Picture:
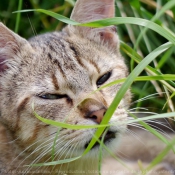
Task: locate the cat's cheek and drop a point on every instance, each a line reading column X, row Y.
column 119, row 119
column 28, row 129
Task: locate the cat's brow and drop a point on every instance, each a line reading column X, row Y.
column 79, row 60
column 94, row 64
column 55, row 61
column 22, row 105
column 55, row 82
column 76, row 54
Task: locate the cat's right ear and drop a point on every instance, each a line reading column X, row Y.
column 10, row 44
column 90, row 10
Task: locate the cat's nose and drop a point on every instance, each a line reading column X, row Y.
column 97, row 116
column 92, row 109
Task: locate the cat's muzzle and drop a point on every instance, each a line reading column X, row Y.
column 109, row 136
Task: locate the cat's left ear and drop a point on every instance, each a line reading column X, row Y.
column 10, row 44
column 90, row 10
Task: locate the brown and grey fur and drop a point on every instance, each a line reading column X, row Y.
column 68, row 63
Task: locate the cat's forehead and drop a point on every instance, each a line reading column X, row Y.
column 69, row 61
column 72, row 54
column 63, row 45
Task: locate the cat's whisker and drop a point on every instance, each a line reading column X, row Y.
column 137, row 126
column 35, row 150
column 42, row 145
column 156, row 122
column 142, row 112
column 63, row 149
column 47, row 150
column 162, row 124
column 56, row 147
column 136, row 108
column 40, row 156
column 74, row 150
column 45, row 167
column 47, row 160
column 74, row 147
column 148, row 97
column 158, row 129
column 33, row 145
column 10, row 142
column 69, row 152
column 120, row 154
column 135, row 135
column 70, row 148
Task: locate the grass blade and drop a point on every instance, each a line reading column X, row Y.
column 111, row 21
column 18, row 16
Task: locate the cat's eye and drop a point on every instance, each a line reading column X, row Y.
column 103, row 78
column 52, row 96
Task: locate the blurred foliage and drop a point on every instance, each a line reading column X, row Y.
column 33, row 23
column 147, row 9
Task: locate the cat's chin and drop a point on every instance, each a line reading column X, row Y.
column 109, row 137
column 111, row 141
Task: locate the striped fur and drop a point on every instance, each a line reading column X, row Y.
column 67, row 63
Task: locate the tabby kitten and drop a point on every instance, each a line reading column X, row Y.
column 55, row 72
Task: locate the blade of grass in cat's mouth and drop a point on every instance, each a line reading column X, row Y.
column 108, row 137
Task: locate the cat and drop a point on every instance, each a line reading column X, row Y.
column 56, row 73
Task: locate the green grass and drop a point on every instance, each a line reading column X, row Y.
column 148, row 44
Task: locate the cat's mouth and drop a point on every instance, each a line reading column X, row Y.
column 107, row 138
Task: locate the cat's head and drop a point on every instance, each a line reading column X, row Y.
column 57, row 73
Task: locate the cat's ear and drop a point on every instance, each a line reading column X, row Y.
column 10, row 44
column 90, row 10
